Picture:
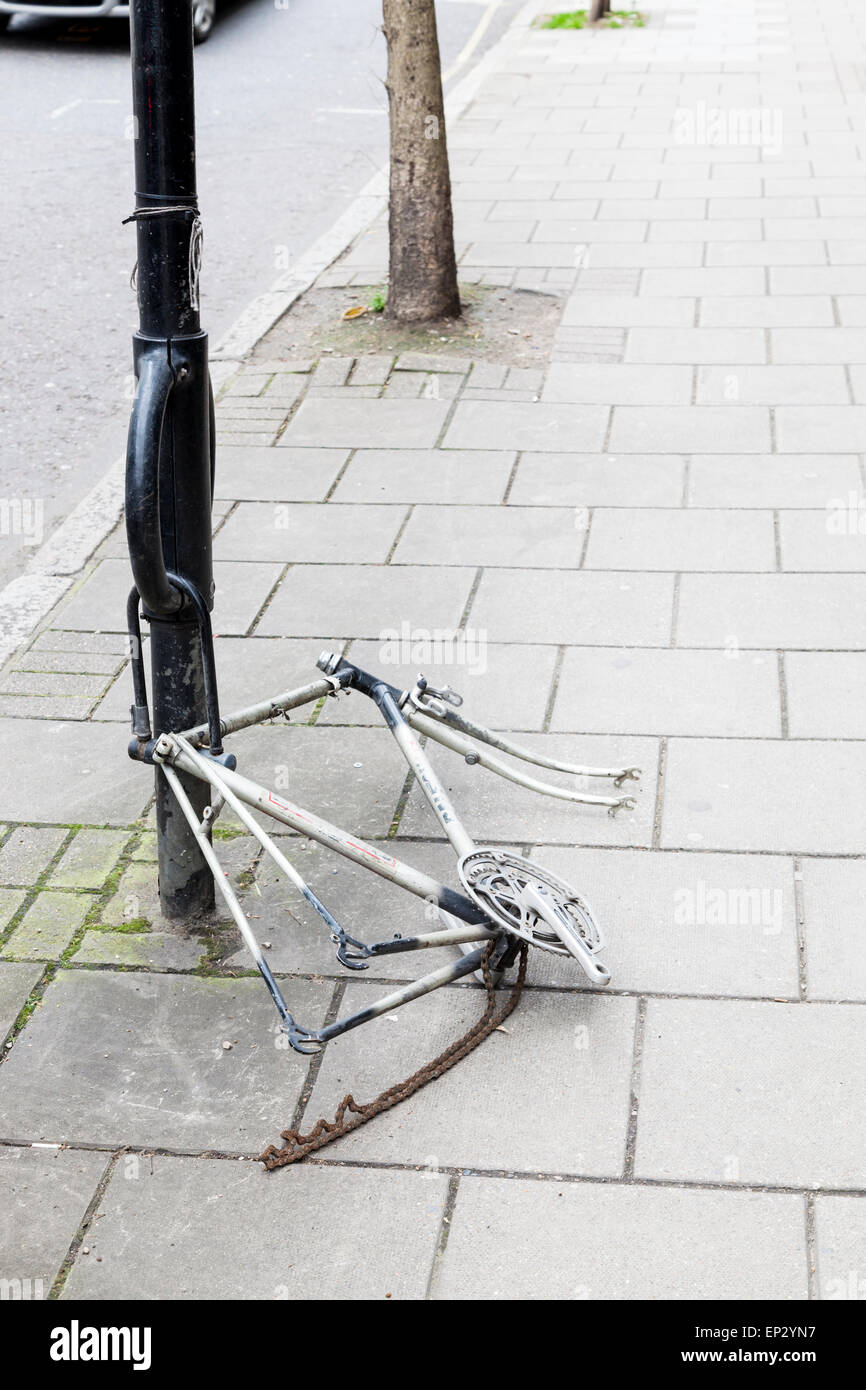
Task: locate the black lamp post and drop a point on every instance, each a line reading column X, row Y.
column 169, row 477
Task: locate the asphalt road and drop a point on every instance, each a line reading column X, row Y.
column 291, row 116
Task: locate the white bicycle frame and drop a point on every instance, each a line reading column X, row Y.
column 427, row 711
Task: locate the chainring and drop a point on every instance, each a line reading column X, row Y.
column 495, row 879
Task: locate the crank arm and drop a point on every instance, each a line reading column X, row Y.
column 476, row 756
column 540, row 903
column 447, row 715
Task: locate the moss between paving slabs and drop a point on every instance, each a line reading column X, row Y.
column 145, row 849
column 90, row 901
column 228, row 832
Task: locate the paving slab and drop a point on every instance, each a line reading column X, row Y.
column 41, row 659
column 612, row 1241
column 494, row 809
column 809, row 252
column 298, row 532
column 48, row 926
column 828, row 279
column 681, row 923
column 280, row 475
column 27, row 853
column 752, row 1092
column 857, row 375
column 249, row 670
column 345, row 422
column 645, row 691
column 701, row 281
column 829, row 539
column 89, row 859
column 767, row 311
column 10, row 901
column 771, row 480
column 628, row 310
column 329, row 1233
column 549, row 254
column 555, row 1048
column 720, row 230
column 145, row 847
column 17, row 979
column 504, row 686
column 826, row 693
column 312, row 599
column 748, row 795
column 68, row 772
column 833, row 909
column 241, row 589
column 826, row 611
column 516, row 425
column 148, row 950
column 592, row 383
column 772, row 385
column 694, row 346
column 660, row 254
column 616, row 608
column 135, row 899
column 598, row 480
column 38, row 706
column 351, row 776
column 444, row 476
column 368, row 907
column 89, row 644
column 624, row 538
column 45, row 684
column 45, row 1194
column 701, row 429
column 134, row 1058
column 840, row 1238
column 535, row 537
column 98, row 602
column 432, row 362
column 818, row 345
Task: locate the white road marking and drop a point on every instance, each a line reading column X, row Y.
column 81, row 101
column 472, row 43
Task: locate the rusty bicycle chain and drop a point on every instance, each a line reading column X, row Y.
column 297, row 1146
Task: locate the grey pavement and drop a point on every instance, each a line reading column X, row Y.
column 649, row 549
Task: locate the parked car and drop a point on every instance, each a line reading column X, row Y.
column 203, row 12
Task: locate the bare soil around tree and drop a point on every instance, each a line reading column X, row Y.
column 513, row 327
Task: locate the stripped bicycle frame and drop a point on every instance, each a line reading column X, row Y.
column 507, row 900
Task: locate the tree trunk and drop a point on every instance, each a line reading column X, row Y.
column 423, row 268
column 598, row 10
